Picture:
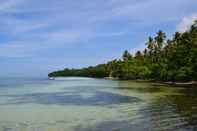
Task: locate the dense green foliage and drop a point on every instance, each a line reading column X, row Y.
column 167, row 60
column 98, row 71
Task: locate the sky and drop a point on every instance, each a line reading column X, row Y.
column 40, row 36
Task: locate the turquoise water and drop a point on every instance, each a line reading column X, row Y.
column 85, row 104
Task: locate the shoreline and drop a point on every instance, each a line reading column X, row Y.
column 176, row 83
column 189, row 83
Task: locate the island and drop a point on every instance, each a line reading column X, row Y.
column 169, row 60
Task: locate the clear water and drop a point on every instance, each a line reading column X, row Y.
column 84, row 104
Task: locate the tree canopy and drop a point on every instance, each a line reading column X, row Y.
column 163, row 59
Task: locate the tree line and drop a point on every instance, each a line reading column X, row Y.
column 163, row 59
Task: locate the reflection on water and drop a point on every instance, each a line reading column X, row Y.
column 100, row 98
column 95, row 105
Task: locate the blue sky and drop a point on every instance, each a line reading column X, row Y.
column 39, row 36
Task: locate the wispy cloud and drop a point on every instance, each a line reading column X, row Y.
column 186, row 22
column 33, row 27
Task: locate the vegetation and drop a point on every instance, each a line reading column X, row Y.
column 163, row 59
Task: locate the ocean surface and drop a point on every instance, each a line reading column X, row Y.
column 86, row 104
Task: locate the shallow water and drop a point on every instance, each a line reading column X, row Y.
column 84, row 104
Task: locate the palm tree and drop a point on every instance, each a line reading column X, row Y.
column 160, row 38
column 177, row 36
column 138, row 55
column 145, row 52
column 150, row 45
column 126, row 55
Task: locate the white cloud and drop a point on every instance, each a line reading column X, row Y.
column 37, row 29
column 53, row 23
column 186, row 22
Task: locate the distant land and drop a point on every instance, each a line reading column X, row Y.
column 163, row 59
